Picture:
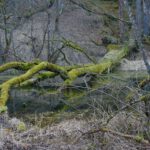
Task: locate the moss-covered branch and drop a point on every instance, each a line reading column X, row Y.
column 68, row 73
column 38, row 78
column 18, row 65
column 109, row 61
column 70, row 44
column 5, row 87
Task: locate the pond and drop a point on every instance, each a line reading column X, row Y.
column 104, row 93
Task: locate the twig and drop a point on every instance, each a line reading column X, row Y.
column 100, row 13
column 127, row 136
column 77, row 47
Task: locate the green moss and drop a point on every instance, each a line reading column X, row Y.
column 111, row 47
column 145, row 98
column 139, row 138
column 39, row 77
column 78, row 48
column 21, row 126
column 73, row 93
column 5, row 87
column 3, row 109
column 18, row 65
column 111, row 59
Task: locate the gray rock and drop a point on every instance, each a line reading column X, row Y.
column 109, row 40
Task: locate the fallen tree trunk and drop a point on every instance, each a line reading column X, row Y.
column 68, row 73
column 109, row 61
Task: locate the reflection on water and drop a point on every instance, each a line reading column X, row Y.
column 24, row 101
column 33, row 100
column 105, row 93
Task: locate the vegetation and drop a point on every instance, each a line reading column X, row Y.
column 68, row 56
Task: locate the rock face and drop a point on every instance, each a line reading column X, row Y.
column 74, row 24
column 136, row 65
column 109, row 40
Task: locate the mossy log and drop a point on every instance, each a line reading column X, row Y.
column 68, row 73
column 5, row 87
column 38, row 78
column 18, row 65
column 109, row 61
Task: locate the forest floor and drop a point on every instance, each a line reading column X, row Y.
column 71, row 134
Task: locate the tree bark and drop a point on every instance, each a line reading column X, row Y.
column 121, row 24
column 139, row 16
column 146, row 9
